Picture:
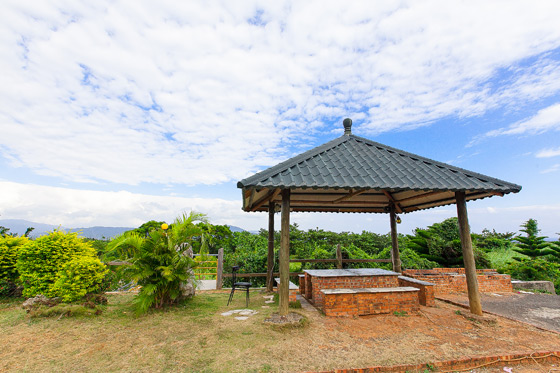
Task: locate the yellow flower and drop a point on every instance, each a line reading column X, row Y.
column 164, row 226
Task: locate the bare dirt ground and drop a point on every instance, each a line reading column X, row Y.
column 197, row 338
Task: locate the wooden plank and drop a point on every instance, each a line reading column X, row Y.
column 343, row 260
column 267, row 197
column 348, row 203
column 338, row 257
column 419, row 196
column 392, row 200
column 263, row 274
column 349, row 195
column 284, row 260
column 468, row 255
column 220, row 269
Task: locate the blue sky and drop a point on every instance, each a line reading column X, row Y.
column 115, row 113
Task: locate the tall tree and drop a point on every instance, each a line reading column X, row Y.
column 553, row 249
column 530, row 244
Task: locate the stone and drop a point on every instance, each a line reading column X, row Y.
column 241, row 318
column 39, row 300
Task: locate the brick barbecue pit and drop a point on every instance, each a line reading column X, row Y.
column 364, row 291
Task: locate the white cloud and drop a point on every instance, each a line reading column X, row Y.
column 548, row 153
column 202, row 93
column 547, row 119
column 553, row 168
column 84, row 208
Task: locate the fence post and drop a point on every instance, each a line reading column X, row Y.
column 338, row 257
column 220, row 269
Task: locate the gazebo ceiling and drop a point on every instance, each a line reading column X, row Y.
column 354, row 174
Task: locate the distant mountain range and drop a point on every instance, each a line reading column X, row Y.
column 19, row 226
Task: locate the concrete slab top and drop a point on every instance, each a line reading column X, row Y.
column 350, row 272
column 400, row 289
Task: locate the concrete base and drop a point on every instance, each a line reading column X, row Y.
column 547, row 286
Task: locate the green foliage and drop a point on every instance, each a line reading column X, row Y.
column 78, row 277
column 147, row 227
column 9, row 247
column 530, row 244
column 553, row 251
column 159, row 264
column 441, row 243
column 250, row 252
column 40, row 261
column 493, row 241
column 410, row 259
column 536, row 269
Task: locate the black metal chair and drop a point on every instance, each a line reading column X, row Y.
column 236, row 284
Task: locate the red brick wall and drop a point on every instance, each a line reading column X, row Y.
column 348, row 305
column 426, row 296
column 347, row 282
column 489, row 281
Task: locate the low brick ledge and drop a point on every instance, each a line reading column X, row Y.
column 292, row 285
column 400, row 289
column 419, row 282
column 461, row 364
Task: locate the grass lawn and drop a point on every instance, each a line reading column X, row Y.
column 197, row 338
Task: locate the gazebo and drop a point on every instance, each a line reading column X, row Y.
column 355, row 175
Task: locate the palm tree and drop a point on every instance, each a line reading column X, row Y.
column 158, row 262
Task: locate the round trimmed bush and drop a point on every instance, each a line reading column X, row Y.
column 40, row 261
column 78, row 277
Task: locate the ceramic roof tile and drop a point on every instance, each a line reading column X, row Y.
column 354, row 162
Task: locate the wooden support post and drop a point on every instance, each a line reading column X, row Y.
column 284, row 255
column 220, row 269
column 270, row 259
column 395, row 255
column 338, row 257
column 468, row 255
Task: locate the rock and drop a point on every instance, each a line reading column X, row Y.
column 39, row 300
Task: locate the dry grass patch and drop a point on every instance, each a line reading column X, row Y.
column 195, row 337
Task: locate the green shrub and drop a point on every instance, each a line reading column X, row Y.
column 534, row 270
column 78, row 277
column 9, row 247
column 40, row 261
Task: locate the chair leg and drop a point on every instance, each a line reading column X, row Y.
column 247, row 299
column 231, row 295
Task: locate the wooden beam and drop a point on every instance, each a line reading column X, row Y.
column 351, row 203
column 393, row 201
column 349, row 195
column 395, row 256
column 270, row 258
column 284, row 257
column 264, row 199
column 451, row 200
column 468, row 255
column 412, row 198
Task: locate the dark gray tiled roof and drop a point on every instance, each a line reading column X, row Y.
column 353, row 162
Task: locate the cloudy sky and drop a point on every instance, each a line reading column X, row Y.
column 115, row 113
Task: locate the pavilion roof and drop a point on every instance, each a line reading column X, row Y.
column 355, row 174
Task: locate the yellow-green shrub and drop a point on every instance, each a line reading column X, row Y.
column 9, row 247
column 40, row 261
column 78, row 277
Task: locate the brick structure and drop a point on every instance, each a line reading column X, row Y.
column 448, row 280
column 350, row 282
column 426, row 295
column 302, row 285
column 369, row 301
column 293, row 290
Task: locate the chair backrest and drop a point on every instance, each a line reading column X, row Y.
column 234, row 270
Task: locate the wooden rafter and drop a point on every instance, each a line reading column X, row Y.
column 350, row 203
column 397, row 205
column 267, row 197
column 415, row 197
column 351, row 194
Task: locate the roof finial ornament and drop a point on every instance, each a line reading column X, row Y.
column 347, row 126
